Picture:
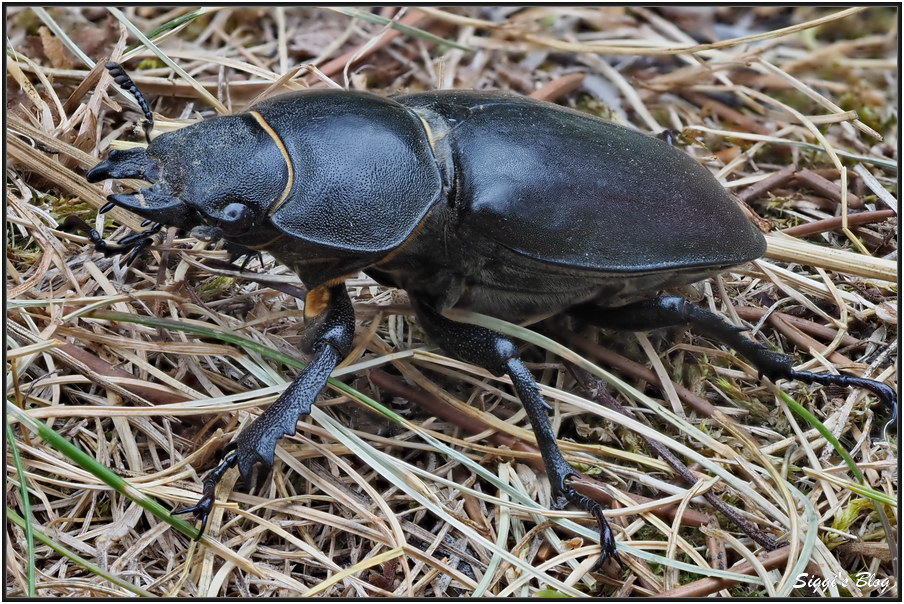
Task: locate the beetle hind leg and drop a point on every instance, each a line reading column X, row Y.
column 498, row 354
column 557, row 468
column 668, row 311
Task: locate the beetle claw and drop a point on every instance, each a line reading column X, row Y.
column 202, row 509
column 608, row 548
column 885, row 393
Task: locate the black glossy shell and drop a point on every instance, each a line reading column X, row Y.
column 570, row 189
column 364, row 172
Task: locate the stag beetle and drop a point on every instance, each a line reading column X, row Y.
column 487, row 201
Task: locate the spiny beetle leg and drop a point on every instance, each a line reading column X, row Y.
column 668, row 311
column 202, row 509
column 257, row 442
column 557, row 468
column 329, row 333
column 498, row 354
column 331, row 319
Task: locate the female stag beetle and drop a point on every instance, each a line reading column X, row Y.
column 485, row 201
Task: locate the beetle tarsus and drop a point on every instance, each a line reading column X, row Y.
column 557, row 468
column 204, row 507
column 883, row 391
column 668, row 311
column 136, row 243
column 608, row 547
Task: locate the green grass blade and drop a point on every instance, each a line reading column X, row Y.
column 169, row 27
column 86, row 564
column 406, row 29
column 811, row 419
column 26, row 512
column 212, row 100
column 89, row 464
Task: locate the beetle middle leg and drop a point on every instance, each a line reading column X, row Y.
column 668, row 311
column 330, row 330
column 498, row 354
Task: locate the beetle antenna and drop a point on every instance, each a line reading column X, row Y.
column 125, row 82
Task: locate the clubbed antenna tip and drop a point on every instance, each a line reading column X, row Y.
column 125, row 82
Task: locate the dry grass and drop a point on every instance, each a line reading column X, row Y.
column 795, row 111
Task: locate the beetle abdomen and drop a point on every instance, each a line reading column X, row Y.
column 572, row 190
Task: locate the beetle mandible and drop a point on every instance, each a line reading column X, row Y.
column 486, row 201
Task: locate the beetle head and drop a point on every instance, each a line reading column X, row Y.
column 223, row 174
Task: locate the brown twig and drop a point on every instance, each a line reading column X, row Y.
column 555, row 89
column 805, row 342
column 724, row 111
column 773, row 181
column 753, row 313
column 710, row 585
column 825, row 187
column 831, row 224
column 331, row 68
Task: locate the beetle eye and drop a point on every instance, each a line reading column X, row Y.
column 236, row 219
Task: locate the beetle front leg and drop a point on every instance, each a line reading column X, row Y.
column 498, row 354
column 134, row 243
column 330, row 321
column 667, row 311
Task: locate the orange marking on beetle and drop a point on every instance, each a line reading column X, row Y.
column 285, row 152
column 429, row 131
column 316, row 301
column 263, row 246
column 339, row 280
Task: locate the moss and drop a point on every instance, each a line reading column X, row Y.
column 594, row 106
column 215, row 287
